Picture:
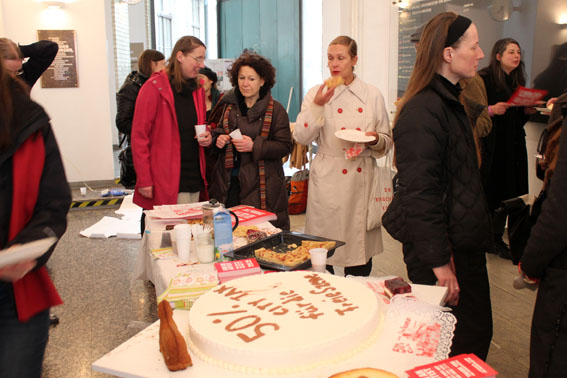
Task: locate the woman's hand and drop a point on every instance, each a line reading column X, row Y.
column 322, row 98
column 499, row 108
column 15, row 272
column 222, row 140
column 205, row 139
column 446, row 277
column 246, row 144
column 530, row 110
column 375, row 135
column 147, row 192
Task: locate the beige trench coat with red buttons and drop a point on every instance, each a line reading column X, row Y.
column 339, row 189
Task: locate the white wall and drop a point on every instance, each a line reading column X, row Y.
column 81, row 117
column 368, row 22
column 137, row 23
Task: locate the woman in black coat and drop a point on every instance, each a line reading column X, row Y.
column 545, row 258
column 149, row 62
column 40, row 55
column 439, row 212
column 504, row 156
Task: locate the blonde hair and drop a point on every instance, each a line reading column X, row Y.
column 348, row 42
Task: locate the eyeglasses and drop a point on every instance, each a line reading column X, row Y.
column 198, row 60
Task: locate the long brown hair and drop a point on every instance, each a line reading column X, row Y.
column 7, row 86
column 145, row 61
column 186, row 45
column 9, row 50
column 429, row 56
column 518, row 75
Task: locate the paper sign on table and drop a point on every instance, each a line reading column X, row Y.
column 526, row 96
column 461, row 366
column 229, row 270
column 248, row 215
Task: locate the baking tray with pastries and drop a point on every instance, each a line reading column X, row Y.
column 286, row 251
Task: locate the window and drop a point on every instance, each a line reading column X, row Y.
column 164, row 19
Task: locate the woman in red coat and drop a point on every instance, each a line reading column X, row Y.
column 168, row 158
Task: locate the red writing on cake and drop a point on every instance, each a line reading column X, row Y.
column 324, row 288
column 244, row 322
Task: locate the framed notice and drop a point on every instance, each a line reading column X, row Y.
column 62, row 73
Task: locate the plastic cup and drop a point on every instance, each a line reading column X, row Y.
column 83, row 191
column 318, row 259
column 183, row 241
column 236, row 134
column 200, row 129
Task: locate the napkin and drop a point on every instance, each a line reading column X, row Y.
column 354, row 151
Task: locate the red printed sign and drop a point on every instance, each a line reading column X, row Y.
column 461, row 366
column 526, row 96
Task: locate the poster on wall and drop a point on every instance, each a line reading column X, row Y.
column 220, row 67
column 62, row 73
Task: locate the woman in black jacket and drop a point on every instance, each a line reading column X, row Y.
column 504, row 156
column 149, row 62
column 438, row 211
column 545, row 259
column 34, row 201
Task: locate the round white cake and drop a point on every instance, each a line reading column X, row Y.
column 280, row 323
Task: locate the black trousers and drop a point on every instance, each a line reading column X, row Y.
column 473, row 331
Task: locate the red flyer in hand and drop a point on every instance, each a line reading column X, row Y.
column 526, row 96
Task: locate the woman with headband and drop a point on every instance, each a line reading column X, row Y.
column 439, row 212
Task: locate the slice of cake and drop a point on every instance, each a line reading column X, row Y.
column 284, row 322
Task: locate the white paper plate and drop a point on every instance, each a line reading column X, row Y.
column 543, row 110
column 26, row 251
column 354, row 136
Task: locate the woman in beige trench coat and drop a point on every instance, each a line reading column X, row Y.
column 339, row 188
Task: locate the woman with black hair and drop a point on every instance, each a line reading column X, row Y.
column 504, row 155
column 249, row 169
column 208, row 81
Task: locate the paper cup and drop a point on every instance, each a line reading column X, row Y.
column 183, row 240
column 318, row 259
column 83, row 191
column 236, row 134
column 200, row 129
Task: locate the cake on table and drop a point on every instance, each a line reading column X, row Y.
column 283, row 323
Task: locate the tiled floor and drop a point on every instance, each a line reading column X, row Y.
column 104, row 307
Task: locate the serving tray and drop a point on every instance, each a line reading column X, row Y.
column 279, row 242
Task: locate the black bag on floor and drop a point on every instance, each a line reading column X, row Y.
column 521, row 219
column 127, row 172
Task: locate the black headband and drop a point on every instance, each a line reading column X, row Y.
column 457, row 29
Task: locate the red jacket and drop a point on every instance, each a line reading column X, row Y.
column 34, row 292
column 156, row 146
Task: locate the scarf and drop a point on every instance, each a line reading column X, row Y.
column 229, row 153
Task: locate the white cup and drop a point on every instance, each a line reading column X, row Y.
column 236, row 134
column 200, row 129
column 83, row 191
column 318, row 259
column 183, row 240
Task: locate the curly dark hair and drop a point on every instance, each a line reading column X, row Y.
column 258, row 63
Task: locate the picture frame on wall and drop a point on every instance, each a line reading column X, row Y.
column 62, row 73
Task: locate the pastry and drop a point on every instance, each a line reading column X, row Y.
column 396, row 286
column 333, row 82
column 171, row 344
column 364, row 373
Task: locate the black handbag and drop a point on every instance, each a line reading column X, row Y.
column 127, row 171
column 521, row 219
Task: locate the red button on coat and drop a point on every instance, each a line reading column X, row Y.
column 305, row 124
column 340, row 110
column 344, row 171
column 360, row 110
column 342, row 128
column 358, row 128
column 359, row 169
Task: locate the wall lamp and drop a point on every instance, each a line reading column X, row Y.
column 563, row 21
column 53, row 4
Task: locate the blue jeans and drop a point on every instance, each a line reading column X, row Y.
column 22, row 345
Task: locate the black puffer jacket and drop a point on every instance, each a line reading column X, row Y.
column 126, row 102
column 545, row 257
column 439, row 205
